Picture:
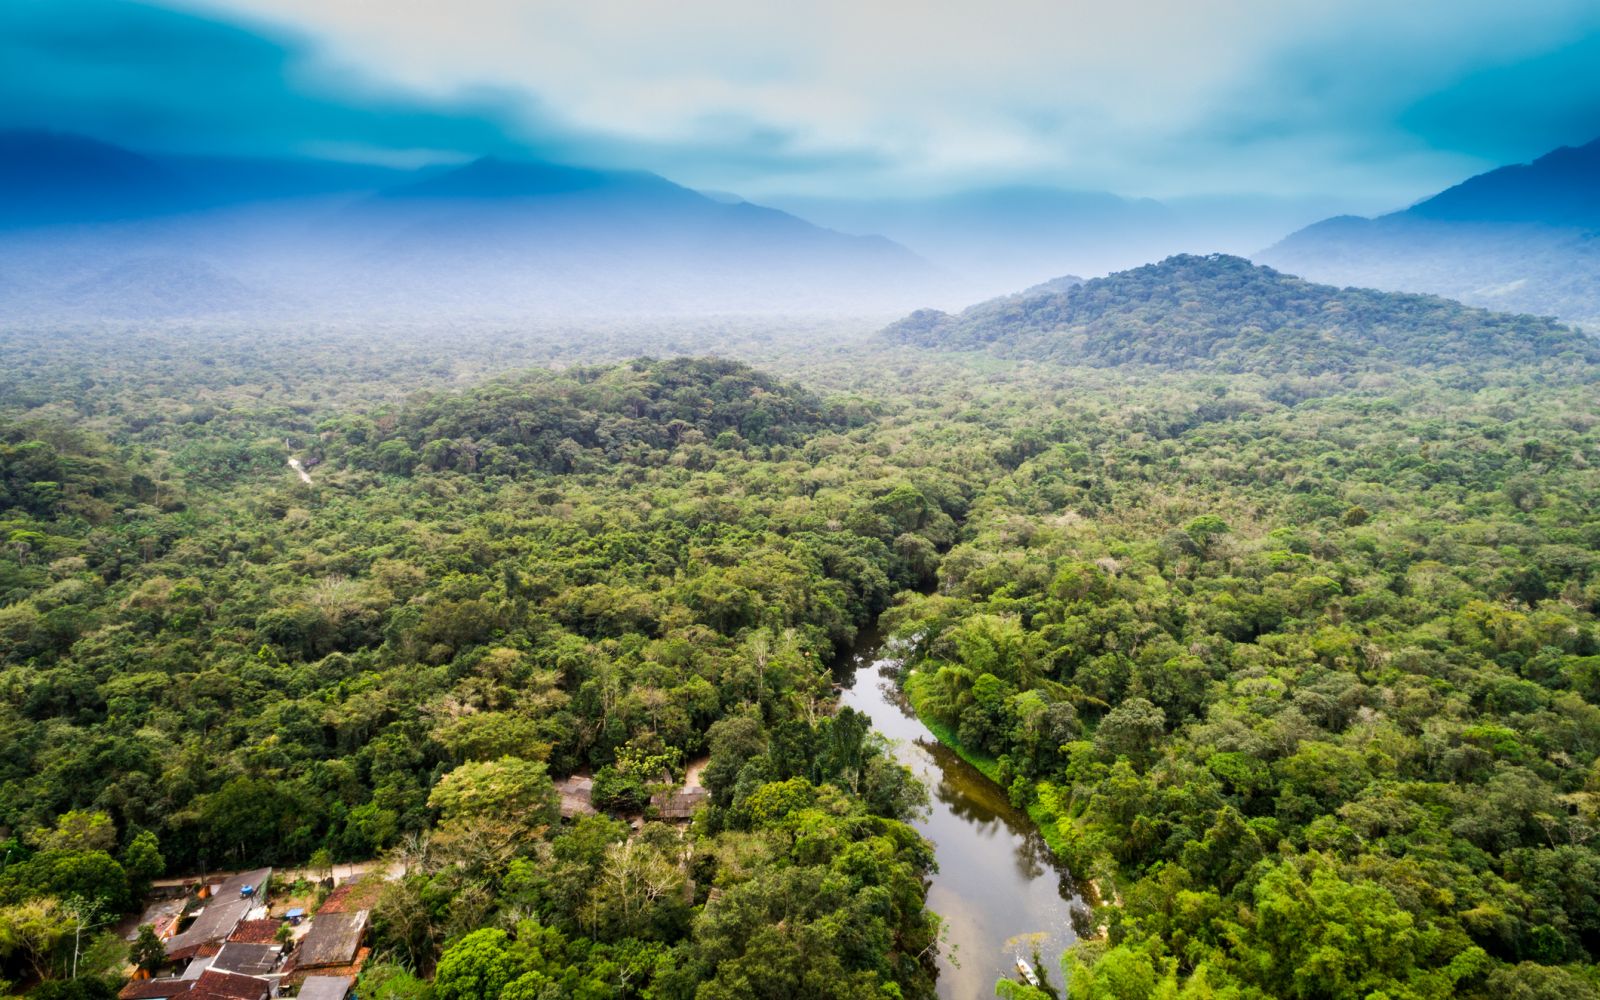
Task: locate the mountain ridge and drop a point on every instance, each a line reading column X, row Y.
column 496, row 237
column 1521, row 237
column 1560, row 188
column 1223, row 313
column 49, row 177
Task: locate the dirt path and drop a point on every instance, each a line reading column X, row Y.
column 305, row 477
column 691, row 776
column 341, row 873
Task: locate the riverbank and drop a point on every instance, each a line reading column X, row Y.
column 915, row 689
column 998, row 888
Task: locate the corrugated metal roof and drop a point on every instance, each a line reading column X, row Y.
column 221, row 914
column 326, row 987
column 247, row 959
column 333, row 939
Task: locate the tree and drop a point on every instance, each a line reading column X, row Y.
column 478, row 967
column 489, row 811
column 1323, row 937
column 1205, row 530
column 1531, row 981
column 948, row 693
column 734, row 741
column 32, row 930
column 321, row 863
column 82, row 988
column 143, row 862
column 82, row 916
column 402, row 921
column 1121, row 973
column 635, row 878
column 999, row 645
column 1131, row 729
column 92, row 876
column 248, row 818
column 80, row 830
column 147, row 952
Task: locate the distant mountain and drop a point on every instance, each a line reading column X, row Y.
column 495, row 238
column 1524, row 237
column 529, row 236
column 1558, row 189
column 51, row 177
column 993, row 239
column 224, row 180
column 160, row 288
column 494, row 177
column 1221, row 313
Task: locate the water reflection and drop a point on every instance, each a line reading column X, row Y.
column 997, row 889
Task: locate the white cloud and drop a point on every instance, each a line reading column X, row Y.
column 1144, row 96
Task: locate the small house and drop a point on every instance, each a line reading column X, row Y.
column 208, row 985
column 225, row 906
column 680, row 807
column 577, row 796
column 326, row 987
column 213, row 985
column 256, row 931
column 333, row 941
column 247, row 959
column 163, row 915
column 155, row 989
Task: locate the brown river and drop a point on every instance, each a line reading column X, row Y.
column 998, row 890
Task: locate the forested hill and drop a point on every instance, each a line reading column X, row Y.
column 1225, row 314
column 586, row 419
column 206, row 662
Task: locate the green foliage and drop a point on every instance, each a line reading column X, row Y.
column 585, row 419
column 147, row 952
column 1294, row 656
column 79, row 830
column 81, row 988
column 1301, row 753
column 387, row 981
column 92, row 876
column 30, row 933
column 1225, row 314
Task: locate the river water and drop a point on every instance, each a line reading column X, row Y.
column 998, row 890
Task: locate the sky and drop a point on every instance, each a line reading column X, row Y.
column 1370, row 102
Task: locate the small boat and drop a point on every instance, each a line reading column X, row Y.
column 1026, row 971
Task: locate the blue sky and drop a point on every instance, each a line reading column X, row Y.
column 1370, row 103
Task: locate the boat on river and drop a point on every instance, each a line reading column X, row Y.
column 1026, row 972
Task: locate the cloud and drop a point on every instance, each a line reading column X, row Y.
column 161, row 79
column 1368, row 99
column 1533, row 105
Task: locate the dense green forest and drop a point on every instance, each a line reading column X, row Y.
column 1225, row 314
column 615, row 568
column 1286, row 637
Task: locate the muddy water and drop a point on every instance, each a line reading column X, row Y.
column 997, row 889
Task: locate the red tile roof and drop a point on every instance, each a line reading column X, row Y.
column 211, row 985
column 214, row 985
column 357, row 894
column 256, row 932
